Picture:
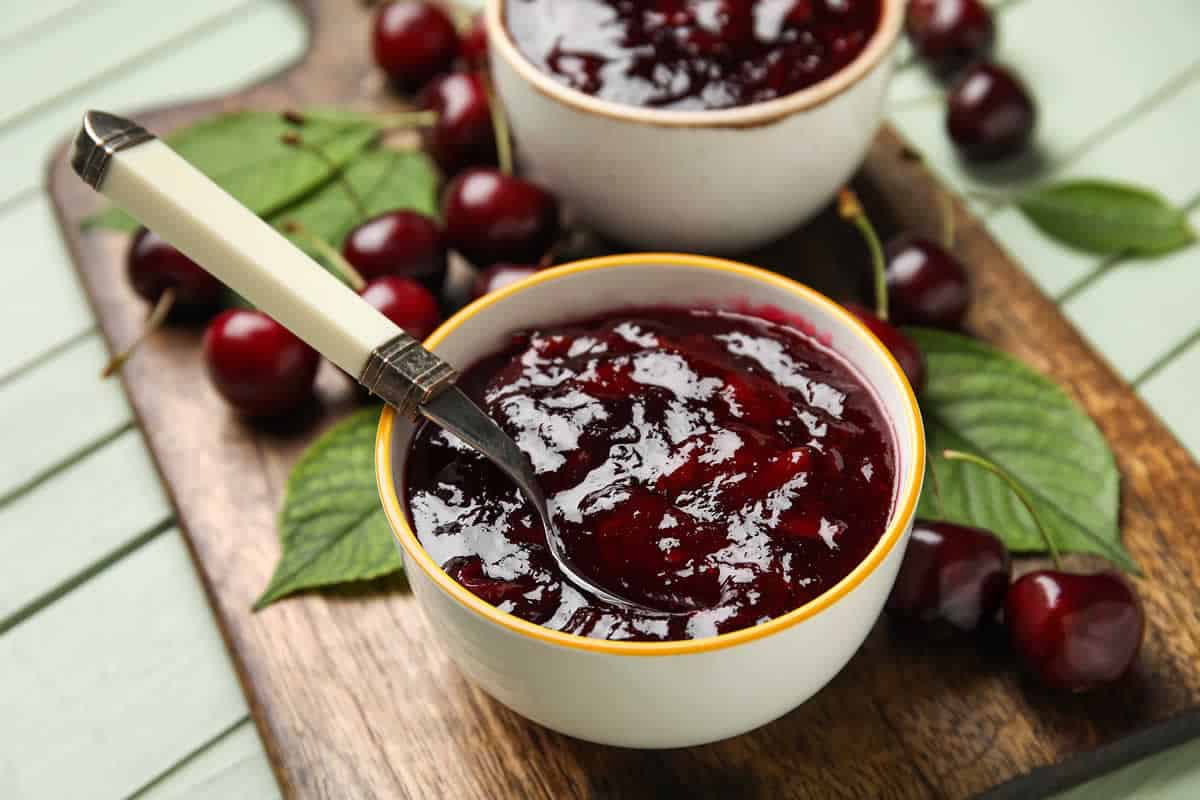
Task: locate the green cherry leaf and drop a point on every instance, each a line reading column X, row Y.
column 982, row 401
column 244, row 153
column 1107, row 218
column 332, row 525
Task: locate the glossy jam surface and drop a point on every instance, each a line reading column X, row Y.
column 691, row 54
column 713, row 465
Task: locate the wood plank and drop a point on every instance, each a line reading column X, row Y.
column 1156, row 150
column 230, row 55
column 1136, row 48
column 20, row 19
column 77, row 520
column 1172, row 394
column 81, row 49
column 55, row 410
column 1155, row 300
column 36, row 266
column 235, row 767
column 115, row 682
column 904, row 718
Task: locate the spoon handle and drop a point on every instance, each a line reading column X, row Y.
column 141, row 174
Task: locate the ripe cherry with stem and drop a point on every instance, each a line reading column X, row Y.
column 413, row 41
column 403, row 300
column 164, row 276
column 926, row 284
column 492, row 216
column 464, row 133
column 905, row 351
column 953, row 577
column 1073, row 631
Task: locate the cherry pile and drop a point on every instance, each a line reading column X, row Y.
column 990, row 114
column 1072, row 631
column 397, row 260
column 259, row 367
column 916, row 281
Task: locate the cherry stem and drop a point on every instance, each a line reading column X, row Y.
column 394, row 120
column 500, row 126
column 851, row 210
column 292, row 139
column 1017, row 489
column 154, row 321
column 948, row 228
column 349, row 275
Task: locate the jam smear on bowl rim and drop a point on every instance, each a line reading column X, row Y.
column 716, row 466
column 691, row 54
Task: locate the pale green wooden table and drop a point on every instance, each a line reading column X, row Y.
column 113, row 678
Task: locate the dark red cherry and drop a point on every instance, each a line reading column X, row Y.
column 412, row 42
column 473, row 47
column 406, row 303
column 990, row 114
column 404, row 243
column 950, row 34
column 498, row 276
column 926, row 285
column 155, row 266
column 953, row 576
column 463, row 135
column 256, row 364
column 1074, row 632
column 902, row 348
column 491, row 217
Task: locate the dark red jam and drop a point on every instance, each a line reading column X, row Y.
column 691, row 54
column 706, row 463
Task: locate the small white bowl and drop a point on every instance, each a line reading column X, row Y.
column 658, row 694
column 717, row 181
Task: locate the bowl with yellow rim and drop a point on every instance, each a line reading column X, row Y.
column 658, row 694
column 722, row 180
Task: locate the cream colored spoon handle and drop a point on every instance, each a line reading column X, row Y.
column 147, row 178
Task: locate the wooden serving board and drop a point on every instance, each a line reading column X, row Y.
column 354, row 699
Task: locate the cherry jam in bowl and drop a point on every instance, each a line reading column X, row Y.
column 703, row 125
column 721, row 444
column 691, row 54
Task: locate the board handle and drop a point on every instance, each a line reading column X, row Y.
column 141, row 174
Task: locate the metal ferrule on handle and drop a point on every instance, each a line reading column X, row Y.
column 129, row 165
column 406, row 374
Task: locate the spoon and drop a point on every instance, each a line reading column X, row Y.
column 133, row 168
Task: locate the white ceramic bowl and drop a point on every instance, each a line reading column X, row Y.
column 708, row 181
column 651, row 694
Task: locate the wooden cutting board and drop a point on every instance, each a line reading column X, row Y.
column 354, row 699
